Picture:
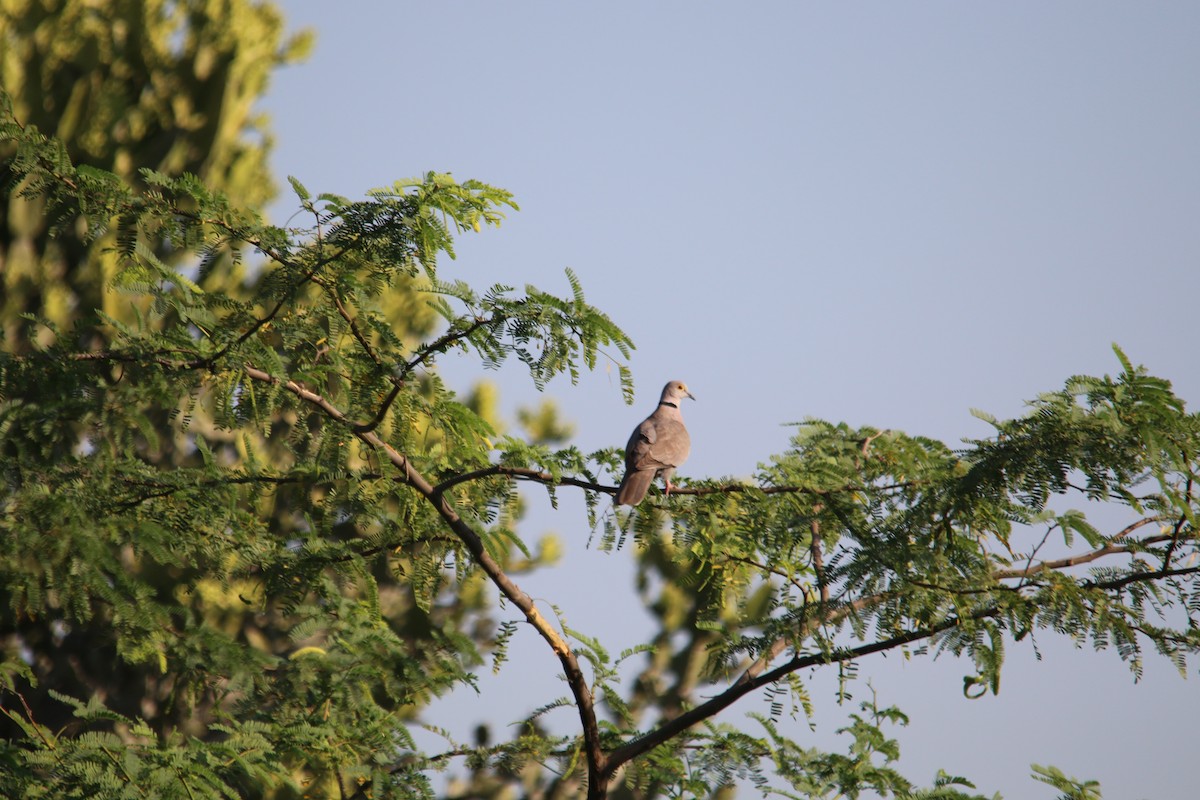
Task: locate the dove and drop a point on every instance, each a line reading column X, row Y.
column 657, row 446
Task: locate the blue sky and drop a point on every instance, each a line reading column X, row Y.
column 881, row 213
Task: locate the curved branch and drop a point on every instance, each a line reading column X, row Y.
column 274, row 312
column 597, row 760
column 383, row 409
column 1084, row 558
column 1140, row 577
column 1187, row 492
column 749, row 682
column 758, row 675
column 442, row 343
column 524, row 473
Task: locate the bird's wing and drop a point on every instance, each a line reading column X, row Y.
column 658, row 443
column 640, row 443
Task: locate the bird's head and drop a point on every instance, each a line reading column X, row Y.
column 675, row 391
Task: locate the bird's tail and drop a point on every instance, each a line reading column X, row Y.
column 634, row 486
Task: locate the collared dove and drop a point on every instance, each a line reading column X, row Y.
column 657, row 446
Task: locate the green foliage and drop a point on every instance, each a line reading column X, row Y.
column 857, row 541
column 125, row 87
column 1071, row 788
column 211, row 537
column 205, row 530
column 251, row 534
column 867, row 765
column 135, row 763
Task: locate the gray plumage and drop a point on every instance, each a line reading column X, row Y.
column 657, row 446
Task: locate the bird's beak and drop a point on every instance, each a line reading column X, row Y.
column 689, row 394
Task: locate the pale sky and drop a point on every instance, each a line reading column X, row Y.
column 881, row 213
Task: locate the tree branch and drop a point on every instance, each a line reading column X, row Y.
column 524, row 473
column 539, row 476
column 442, row 343
column 749, row 682
column 383, row 409
column 818, row 561
column 1140, row 577
column 1187, row 492
column 350, row 320
column 757, row 674
column 597, row 760
column 1085, row 558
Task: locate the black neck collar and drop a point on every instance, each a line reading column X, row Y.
column 665, row 403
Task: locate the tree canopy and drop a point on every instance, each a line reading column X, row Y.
column 248, row 538
column 250, row 533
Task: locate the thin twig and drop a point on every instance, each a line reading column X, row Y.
column 350, row 320
column 1178, row 527
column 818, row 561
column 442, row 343
column 779, row 573
column 397, row 384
